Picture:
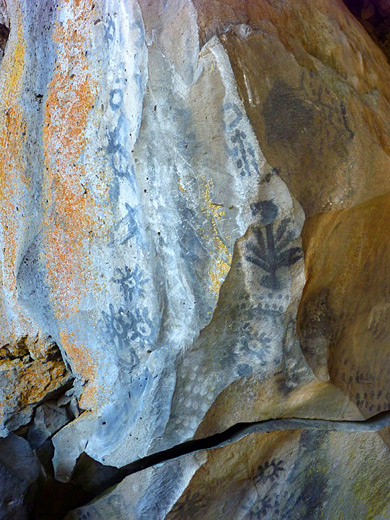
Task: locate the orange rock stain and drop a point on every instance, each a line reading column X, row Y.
column 69, row 210
column 13, row 182
column 28, row 383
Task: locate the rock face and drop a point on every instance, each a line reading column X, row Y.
column 193, row 231
column 282, row 475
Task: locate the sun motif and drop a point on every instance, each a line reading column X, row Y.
column 259, row 509
column 269, row 471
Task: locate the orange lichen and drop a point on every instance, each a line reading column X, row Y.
column 14, row 183
column 83, row 364
column 29, row 380
column 39, row 379
column 69, row 210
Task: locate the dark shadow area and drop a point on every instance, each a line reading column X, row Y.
column 4, row 35
column 374, row 15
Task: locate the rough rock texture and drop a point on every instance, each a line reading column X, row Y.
column 294, row 475
column 193, row 231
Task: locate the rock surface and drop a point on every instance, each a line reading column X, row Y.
column 194, row 226
column 292, row 475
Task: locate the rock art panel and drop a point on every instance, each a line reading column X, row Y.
column 294, row 474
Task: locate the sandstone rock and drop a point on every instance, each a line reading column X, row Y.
column 193, row 229
column 295, row 475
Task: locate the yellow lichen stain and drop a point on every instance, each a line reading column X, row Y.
column 340, row 516
column 373, row 495
column 29, row 380
column 181, row 187
column 39, row 379
column 13, row 182
column 223, row 259
column 69, row 210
